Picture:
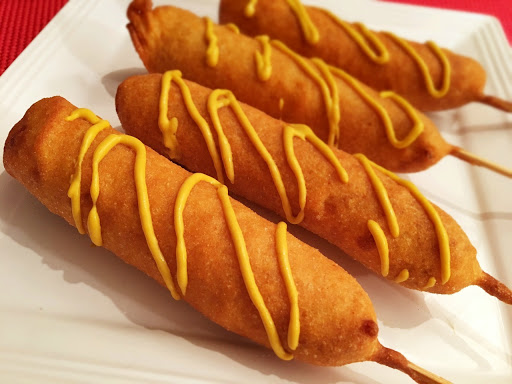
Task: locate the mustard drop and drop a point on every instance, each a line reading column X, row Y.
column 402, row 276
column 431, row 282
column 212, row 52
column 233, row 27
column 264, row 58
column 250, row 8
column 382, row 245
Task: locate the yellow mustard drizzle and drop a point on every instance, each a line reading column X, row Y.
column 248, row 276
column 379, row 55
column 217, row 100
column 326, row 87
column 305, row 133
column 382, row 55
column 221, row 98
column 167, row 78
column 382, row 245
column 212, row 52
column 250, row 8
column 74, row 188
column 236, row 233
column 431, row 282
column 413, row 114
column 93, row 222
column 402, row 276
column 179, row 207
column 308, row 28
column 334, row 112
column 288, row 134
column 263, row 59
column 379, row 236
column 323, row 76
column 382, row 195
column 293, row 296
column 429, row 83
column 233, row 27
column 168, row 127
column 418, row 125
column 442, row 235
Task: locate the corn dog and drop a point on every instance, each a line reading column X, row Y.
column 377, row 218
column 271, row 77
column 340, row 110
column 239, row 270
column 431, row 78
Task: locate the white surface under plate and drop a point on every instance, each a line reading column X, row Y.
column 72, row 313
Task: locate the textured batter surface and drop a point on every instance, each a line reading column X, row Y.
column 338, row 324
column 335, row 211
column 171, row 38
column 401, row 73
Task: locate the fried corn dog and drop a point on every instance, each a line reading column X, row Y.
column 377, row 218
column 272, row 78
column 431, row 78
column 239, row 270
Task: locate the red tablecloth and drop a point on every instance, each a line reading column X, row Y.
column 22, row 20
column 502, row 9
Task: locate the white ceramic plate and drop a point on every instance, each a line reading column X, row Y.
column 72, row 313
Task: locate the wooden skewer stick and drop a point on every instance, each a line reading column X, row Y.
column 495, row 288
column 396, row 360
column 476, row 160
column 497, row 103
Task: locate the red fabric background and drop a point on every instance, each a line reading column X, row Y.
column 22, row 20
column 502, row 9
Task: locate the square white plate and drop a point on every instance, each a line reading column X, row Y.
column 71, row 313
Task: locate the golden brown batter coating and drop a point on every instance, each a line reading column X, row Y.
column 337, row 319
column 171, row 38
column 334, row 210
column 338, row 324
column 400, row 74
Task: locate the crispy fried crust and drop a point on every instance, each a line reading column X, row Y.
column 335, row 211
column 338, row 324
column 172, row 38
column 401, row 74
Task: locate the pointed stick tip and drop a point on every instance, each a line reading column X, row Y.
column 473, row 159
column 396, row 360
column 496, row 102
column 495, row 288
